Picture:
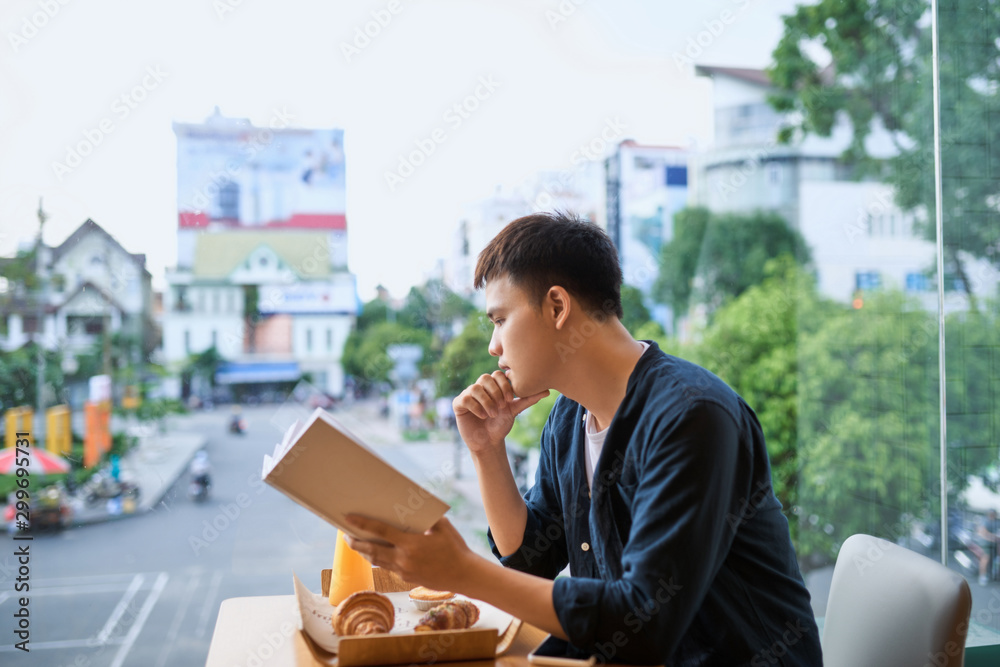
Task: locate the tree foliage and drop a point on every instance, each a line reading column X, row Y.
column 18, row 376
column 868, row 426
column 715, row 257
column 466, row 357
column 366, row 356
column 880, row 76
column 635, row 313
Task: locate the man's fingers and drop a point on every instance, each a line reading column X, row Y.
column 378, row 528
column 376, row 554
column 496, row 395
column 524, row 402
column 504, row 384
column 468, row 402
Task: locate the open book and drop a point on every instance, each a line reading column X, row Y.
column 325, row 468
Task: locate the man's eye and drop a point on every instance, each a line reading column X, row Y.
column 498, row 322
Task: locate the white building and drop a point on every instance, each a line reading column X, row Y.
column 858, row 237
column 262, row 256
column 93, row 285
column 645, row 186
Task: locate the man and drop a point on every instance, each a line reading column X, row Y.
column 653, row 485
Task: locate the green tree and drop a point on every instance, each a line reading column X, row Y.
column 972, row 400
column 679, row 259
column 18, row 376
column 366, row 355
column 466, row 357
column 635, row 312
column 879, row 75
column 868, row 421
column 434, row 307
column 372, row 313
column 716, row 257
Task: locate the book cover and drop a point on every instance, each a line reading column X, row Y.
column 325, row 468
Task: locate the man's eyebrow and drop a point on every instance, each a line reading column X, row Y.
column 491, row 313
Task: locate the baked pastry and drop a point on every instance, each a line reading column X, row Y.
column 364, row 613
column 456, row 615
column 422, row 593
column 426, row 599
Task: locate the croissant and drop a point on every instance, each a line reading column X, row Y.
column 455, row 615
column 364, row 613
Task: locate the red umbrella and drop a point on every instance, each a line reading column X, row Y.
column 40, row 462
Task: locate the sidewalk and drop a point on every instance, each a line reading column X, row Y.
column 154, row 464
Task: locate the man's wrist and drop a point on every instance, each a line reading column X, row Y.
column 492, row 455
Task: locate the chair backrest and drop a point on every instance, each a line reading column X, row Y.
column 890, row 606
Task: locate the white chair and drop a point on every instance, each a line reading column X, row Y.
column 891, row 607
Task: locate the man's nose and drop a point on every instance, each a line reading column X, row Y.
column 495, row 348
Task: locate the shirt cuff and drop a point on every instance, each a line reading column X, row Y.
column 577, row 602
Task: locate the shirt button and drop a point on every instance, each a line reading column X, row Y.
column 585, row 546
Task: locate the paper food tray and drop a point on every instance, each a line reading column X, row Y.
column 317, row 644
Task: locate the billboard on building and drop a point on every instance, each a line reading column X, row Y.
column 318, row 297
column 231, row 174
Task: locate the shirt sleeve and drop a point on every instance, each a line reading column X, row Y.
column 543, row 547
column 680, row 534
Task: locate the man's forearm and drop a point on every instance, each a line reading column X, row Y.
column 525, row 596
column 505, row 509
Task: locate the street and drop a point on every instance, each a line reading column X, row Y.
column 146, row 590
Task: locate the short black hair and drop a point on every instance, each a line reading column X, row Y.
column 545, row 249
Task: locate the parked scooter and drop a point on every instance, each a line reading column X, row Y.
column 102, row 486
column 201, row 477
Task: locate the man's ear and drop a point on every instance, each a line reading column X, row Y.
column 558, row 305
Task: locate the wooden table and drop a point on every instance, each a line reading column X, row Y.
column 264, row 632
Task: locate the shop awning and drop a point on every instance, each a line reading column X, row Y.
column 261, row 371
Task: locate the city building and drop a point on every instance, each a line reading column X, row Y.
column 91, row 285
column 261, row 271
column 859, row 238
column 645, row 186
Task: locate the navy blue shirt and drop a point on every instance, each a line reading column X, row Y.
column 680, row 554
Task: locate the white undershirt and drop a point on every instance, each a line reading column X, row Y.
column 595, row 439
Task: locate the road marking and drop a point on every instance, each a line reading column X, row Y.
column 206, row 609
column 79, row 590
column 89, row 642
column 140, row 620
column 80, row 581
column 120, row 608
column 175, row 626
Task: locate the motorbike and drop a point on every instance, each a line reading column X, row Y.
column 198, row 488
column 237, row 425
column 102, row 486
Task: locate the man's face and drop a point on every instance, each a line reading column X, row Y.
column 522, row 339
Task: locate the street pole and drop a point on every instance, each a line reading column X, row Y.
column 39, row 422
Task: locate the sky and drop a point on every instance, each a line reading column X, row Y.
column 550, row 75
